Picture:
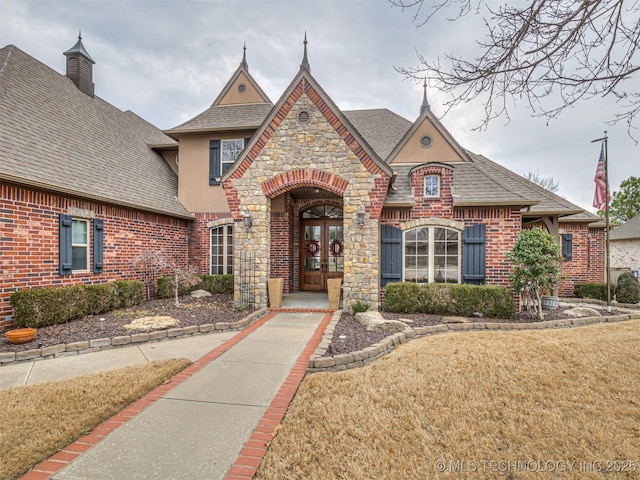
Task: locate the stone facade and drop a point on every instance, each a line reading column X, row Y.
column 319, row 153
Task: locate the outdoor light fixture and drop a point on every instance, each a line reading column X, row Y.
column 361, row 213
column 247, row 220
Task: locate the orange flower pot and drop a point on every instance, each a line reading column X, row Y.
column 20, row 335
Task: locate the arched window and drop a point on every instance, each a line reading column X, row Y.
column 432, row 254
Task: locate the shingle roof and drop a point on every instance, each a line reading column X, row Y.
column 628, row 230
column 246, row 116
column 55, row 137
column 381, row 128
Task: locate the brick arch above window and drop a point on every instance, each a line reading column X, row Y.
column 432, row 222
column 220, row 222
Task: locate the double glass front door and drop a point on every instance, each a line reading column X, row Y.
column 322, row 246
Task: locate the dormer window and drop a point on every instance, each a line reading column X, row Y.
column 432, row 186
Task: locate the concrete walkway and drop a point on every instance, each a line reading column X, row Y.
column 212, row 421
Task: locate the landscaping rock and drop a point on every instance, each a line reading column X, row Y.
column 157, row 322
column 200, row 294
column 455, row 320
column 578, row 312
column 375, row 322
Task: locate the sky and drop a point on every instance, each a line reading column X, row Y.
column 167, row 60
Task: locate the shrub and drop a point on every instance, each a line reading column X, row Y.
column 42, row 307
column 210, row 283
column 627, row 289
column 101, row 298
column 129, row 293
column 595, row 291
column 449, row 299
column 217, row 283
column 359, row 306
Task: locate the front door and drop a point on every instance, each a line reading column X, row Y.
column 322, row 253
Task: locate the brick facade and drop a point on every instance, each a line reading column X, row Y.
column 29, row 241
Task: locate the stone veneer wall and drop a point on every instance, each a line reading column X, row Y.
column 321, row 153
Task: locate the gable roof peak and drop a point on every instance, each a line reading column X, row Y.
column 305, row 60
column 425, row 102
column 244, row 63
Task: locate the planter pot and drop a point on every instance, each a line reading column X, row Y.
column 20, row 335
column 549, row 303
column 275, row 291
column 334, row 288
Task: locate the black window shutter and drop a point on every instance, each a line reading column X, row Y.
column 567, row 246
column 98, row 245
column 214, row 162
column 390, row 255
column 474, row 245
column 246, row 141
column 65, row 236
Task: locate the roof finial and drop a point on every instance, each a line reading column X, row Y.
column 79, row 34
column 305, row 60
column 425, row 102
column 243, row 63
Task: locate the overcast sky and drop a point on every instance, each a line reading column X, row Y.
column 167, row 60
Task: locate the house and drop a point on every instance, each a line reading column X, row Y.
column 624, row 242
column 297, row 189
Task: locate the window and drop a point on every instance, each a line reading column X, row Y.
column 79, row 245
column 432, row 185
column 230, row 151
column 74, row 244
column 431, row 254
column 222, row 250
column 222, row 154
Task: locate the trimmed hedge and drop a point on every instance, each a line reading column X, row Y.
column 595, row 291
column 627, row 288
column 42, row 307
column 449, row 299
column 210, row 283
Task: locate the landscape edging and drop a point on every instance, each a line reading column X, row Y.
column 98, row 344
column 337, row 363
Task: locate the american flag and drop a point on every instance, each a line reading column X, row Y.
column 600, row 196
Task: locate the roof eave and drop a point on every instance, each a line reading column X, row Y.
column 186, row 131
column 493, row 203
column 87, row 195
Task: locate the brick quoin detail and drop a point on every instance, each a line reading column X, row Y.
column 293, row 179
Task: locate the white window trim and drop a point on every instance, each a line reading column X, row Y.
column 86, row 246
column 225, row 245
column 431, row 248
column 424, row 186
column 222, row 161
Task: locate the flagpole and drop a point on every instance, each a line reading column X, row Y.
column 605, row 139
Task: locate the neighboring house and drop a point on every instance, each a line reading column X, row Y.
column 624, row 242
column 297, row 189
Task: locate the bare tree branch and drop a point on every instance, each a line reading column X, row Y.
column 551, row 54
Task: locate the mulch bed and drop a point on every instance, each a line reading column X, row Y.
column 191, row 311
column 349, row 335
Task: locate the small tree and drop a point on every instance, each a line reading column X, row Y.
column 155, row 262
column 536, row 258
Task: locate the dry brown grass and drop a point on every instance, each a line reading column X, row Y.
column 38, row 420
column 477, row 401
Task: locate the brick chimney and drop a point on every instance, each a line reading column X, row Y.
column 80, row 67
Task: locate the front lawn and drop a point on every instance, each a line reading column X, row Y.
column 502, row 404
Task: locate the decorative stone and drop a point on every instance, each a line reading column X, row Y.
column 582, row 312
column 200, row 294
column 374, row 321
column 455, row 320
column 158, row 322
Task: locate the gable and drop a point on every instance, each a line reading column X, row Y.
column 439, row 150
column 240, row 90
